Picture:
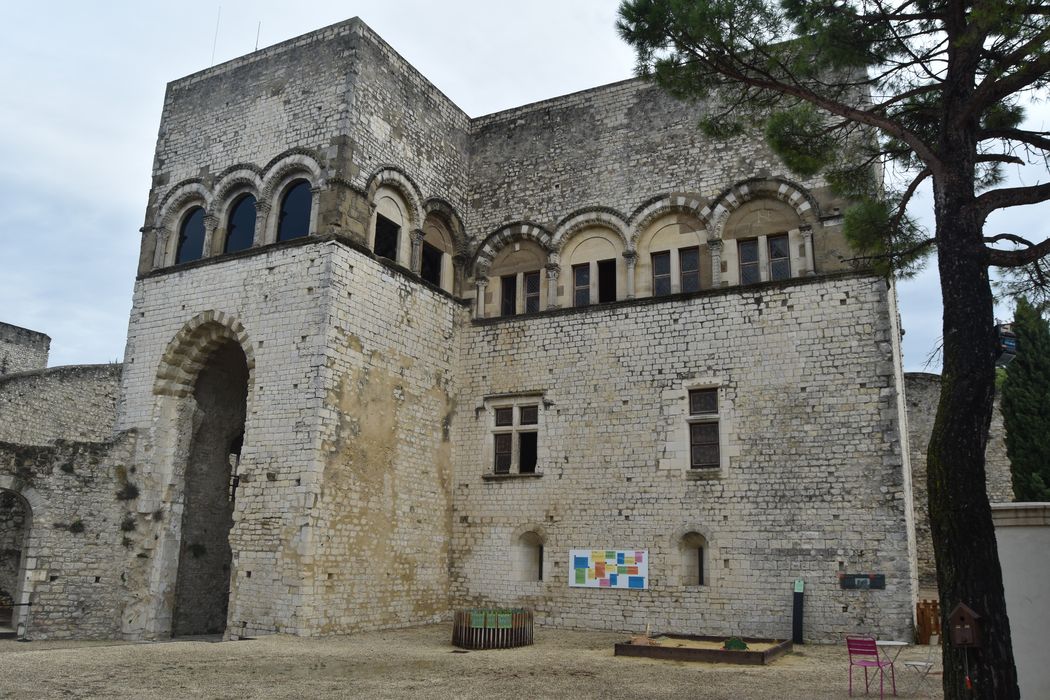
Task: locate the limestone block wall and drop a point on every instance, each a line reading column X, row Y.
column 82, row 535
column 77, row 402
column 271, row 302
column 22, row 350
column 615, row 146
column 923, row 392
column 811, row 484
column 13, row 521
column 381, row 520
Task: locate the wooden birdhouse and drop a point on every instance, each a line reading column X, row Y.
column 964, row 627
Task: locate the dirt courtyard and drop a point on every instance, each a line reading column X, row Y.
column 418, row 662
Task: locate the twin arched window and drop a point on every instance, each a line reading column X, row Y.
column 293, row 221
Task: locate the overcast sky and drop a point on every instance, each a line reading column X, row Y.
column 82, row 88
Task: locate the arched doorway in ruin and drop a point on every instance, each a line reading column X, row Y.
column 202, row 588
column 16, row 519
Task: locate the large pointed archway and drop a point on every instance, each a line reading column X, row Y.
column 16, row 519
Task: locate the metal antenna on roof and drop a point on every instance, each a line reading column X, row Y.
column 257, row 30
column 215, row 41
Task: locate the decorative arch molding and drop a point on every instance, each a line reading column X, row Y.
column 178, row 199
column 591, row 216
column 186, row 353
column 732, row 198
column 285, row 167
column 244, row 177
column 540, row 531
column 446, row 212
column 37, row 507
column 497, row 240
column 679, row 534
column 662, row 205
column 397, row 179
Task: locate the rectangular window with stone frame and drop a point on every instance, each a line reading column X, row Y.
column 703, row 429
column 515, row 437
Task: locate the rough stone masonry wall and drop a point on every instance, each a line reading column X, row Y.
column 13, row 515
column 277, row 294
column 81, row 537
column 613, row 146
column 923, row 392
column 398, row 117
column 814, row 484
column 22, row 350
column 382, row 519
column 78, row 402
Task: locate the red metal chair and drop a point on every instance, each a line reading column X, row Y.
column 864, row 653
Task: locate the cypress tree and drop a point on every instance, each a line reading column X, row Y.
column 1026, row 406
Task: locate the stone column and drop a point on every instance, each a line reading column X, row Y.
column 211, row 225
column 553, row 270
column 715, row 246
column 416, row 261
column 315, row 208
column 459, row 273
column 807, row 240
column 630, row 259
column 160, row 253
column 262, row 215
column 479, row 298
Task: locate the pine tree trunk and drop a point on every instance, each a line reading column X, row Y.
column 960, row 518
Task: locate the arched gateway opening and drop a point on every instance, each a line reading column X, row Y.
column 202, row 589
column 15, row 522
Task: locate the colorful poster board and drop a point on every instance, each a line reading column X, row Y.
column 609, row 568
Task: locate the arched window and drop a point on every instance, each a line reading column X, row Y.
column 389, row 235
column 240, row 227
column 671, row 258
column 694, row 559
column 593, row 257
column 517, row 283
column 760, row 237
column 435, row 263
column 293, row 221
column 528, row 557
column 191, row 236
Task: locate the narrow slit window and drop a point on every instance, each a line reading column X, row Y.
column 508, row 295
column 581, row 284
column 779, row 257
column 689, row 261
column 606, row 281
column 386, row 240
column 430, row 263
column 748, row 252
column 661, row 273
column 532, row 292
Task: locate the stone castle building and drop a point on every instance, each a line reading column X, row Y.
column 385, row 360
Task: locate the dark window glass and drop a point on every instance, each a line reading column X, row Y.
column 779, row 261
column 529, row 415
column 661, row 273
column 581, row 284
column 703, row 445
column 294, row 218
column 689, row 261
column 700, row 565
column 539, row 576
column 606, row 281
column 504, row 452
column 387, row 233
column 508, row 295
column 240, row 228
column 748, row 252
column 703, row 401
column 532, row 292
column 527, row 443
column 191, row 237
column 505, row 416
column 430, row 264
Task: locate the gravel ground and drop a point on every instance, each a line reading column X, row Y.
column 418, row 662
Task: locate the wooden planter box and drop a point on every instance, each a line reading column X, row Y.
column 724, row 656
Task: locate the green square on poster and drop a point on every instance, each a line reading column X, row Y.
column 621, row 569
column 581, row 577
column 610, row 554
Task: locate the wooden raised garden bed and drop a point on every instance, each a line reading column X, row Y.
column 685, row 647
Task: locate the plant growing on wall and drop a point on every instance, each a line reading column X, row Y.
column 933, row 87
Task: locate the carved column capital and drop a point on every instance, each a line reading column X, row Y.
column 630, row 257
column 715, row 244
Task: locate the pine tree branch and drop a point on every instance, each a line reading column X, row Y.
column 1015, row 258
column 1011, row 197
column 992, row 90
column 1037, row 139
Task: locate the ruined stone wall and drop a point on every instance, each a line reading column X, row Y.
column 22, row 350
column 83, row 531
column 923, row 392
column 381, row 520
column 811, row 485
column 77, row 402
column 273, row 299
